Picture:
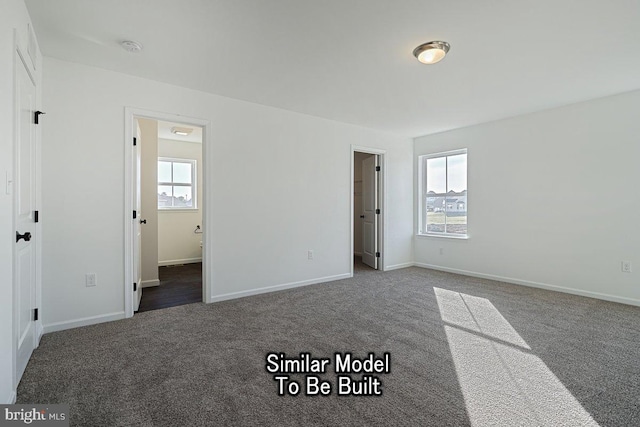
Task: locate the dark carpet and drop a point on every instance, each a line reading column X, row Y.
column 179, row 285
column 464, row 351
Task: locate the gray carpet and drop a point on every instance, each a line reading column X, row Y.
column 464, row 351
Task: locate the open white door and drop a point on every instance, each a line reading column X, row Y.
column 137, row 221
column 370, row 252
column 25, row 218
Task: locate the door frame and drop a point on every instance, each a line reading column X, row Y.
column 130, row 114
column 382, row 198
column 20, row 60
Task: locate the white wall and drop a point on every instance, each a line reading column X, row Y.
column 553, row 199
column 149, row 201
column 279, row 186
column 177, row 242
column 14, row 15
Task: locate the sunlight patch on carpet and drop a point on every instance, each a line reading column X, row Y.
column 502, row 381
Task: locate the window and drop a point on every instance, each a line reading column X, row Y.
column 443, row 194
column 176, row 183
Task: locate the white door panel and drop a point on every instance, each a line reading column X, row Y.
column 369, row 243
column 24, row 267
column 137, row 229
column 25, row 196
column 370, row 203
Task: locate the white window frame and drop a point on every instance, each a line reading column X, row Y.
column 422, row 217
column 193, row 185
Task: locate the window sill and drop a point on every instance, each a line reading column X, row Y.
column 177, row 210
column 444, row 236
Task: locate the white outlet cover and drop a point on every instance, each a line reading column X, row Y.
column 626, row 266
column 90, row 279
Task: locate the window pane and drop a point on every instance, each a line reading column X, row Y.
column 436, row 170
column 435, row 203
column 164, row 171
column 457, row 194
column 435, row 222
column 164, row 196
column 457, row 173
column 435, row 184
column 457, row 222
column 182, row 197
column 182, row 173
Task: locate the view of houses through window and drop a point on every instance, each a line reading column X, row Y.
column 444, row 184
column 176, row 183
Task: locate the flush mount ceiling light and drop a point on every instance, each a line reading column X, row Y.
column 131, row 46
column 432, row 52
column 181, row 131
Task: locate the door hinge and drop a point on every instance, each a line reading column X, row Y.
column 378, row 211
column 135, row 141
column 36, row 216
column 377, row 168
column 135, row 286
column 36, row 116
column 135, row 214
column 377, row 254
column 35, row 314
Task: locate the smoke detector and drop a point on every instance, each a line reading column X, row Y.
column 131, row 46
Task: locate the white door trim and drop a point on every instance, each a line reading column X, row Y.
column 207, row 151
column 382, row 194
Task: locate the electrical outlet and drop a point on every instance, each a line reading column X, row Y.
column 310, row 254
column 90, row 279
column 626, row 266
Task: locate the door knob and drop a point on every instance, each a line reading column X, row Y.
column 361, row 216
column 26, row 236
column 143, row 221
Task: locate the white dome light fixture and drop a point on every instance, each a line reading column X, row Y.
column 431, row 52
column 131, row 46
column 177, row 130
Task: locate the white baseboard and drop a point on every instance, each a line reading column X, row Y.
column 573, row 291
column 11, row 399
column 179, row 261
column 267, row 289
column 150, row 283
column 399, row 266
column 86, row 321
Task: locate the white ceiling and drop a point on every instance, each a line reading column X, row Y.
column 351, row 61
column 164, row 132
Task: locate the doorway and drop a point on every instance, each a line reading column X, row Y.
column 171, row 214
column 166, row 223
column 367, row 191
